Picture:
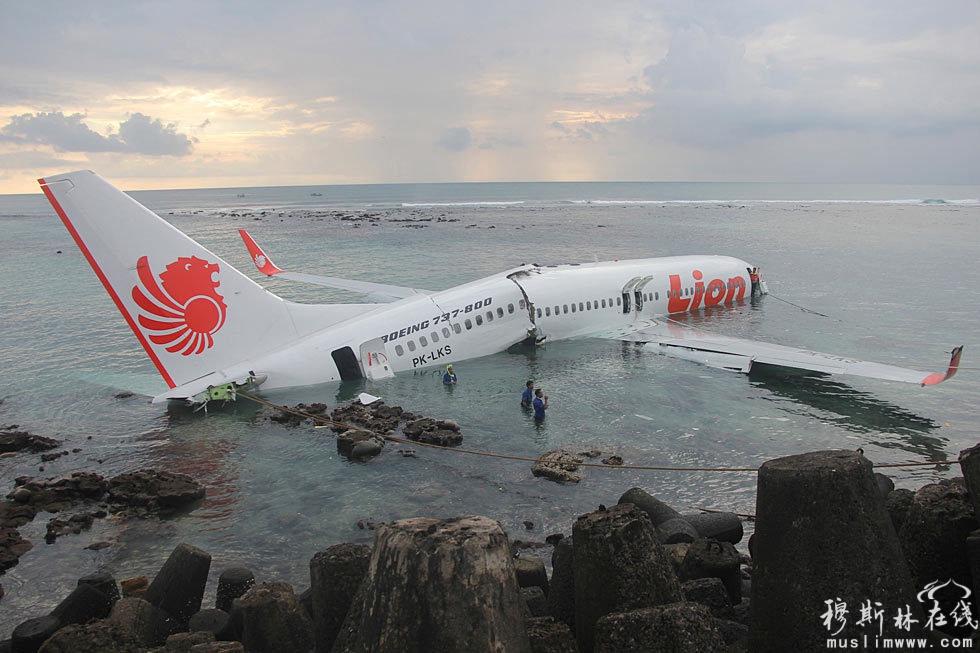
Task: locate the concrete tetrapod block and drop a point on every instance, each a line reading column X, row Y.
column 178, row 588
column 823, row 539
column 619, row 565
column 438, row 585
column 335, row 576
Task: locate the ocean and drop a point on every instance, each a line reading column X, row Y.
column 885, row 273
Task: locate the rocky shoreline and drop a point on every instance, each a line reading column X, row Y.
column 831, row 537
column 839, row 559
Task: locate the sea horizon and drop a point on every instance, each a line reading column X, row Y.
column 528, row 193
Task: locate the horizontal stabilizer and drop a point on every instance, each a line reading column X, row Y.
column 374, row 291
column 740, row 354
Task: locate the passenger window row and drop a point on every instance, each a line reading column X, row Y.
column 595, row 304
column 455, row 327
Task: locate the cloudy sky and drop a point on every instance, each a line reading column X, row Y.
column 183, row 94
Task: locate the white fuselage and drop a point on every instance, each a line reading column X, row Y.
column 491, row 314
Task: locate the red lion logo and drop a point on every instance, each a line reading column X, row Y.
column 184, row 311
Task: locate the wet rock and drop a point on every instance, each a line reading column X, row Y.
column 558, row 465
column 619, row 566
column 335, row 576
column 13, row 515
column 428, row 430
column 59, row 494
column 233, row 583
column 74, row 524
column 296, row 415
column 12, row 547
column 274, row 620
column 357, row 445
column 673, row 628
column 152, row 491
column 21, row 495
column 438, row 585
column 12, row 440
column 821, row 533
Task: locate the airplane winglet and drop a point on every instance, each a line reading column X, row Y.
column 261, row 260
column 954, row 364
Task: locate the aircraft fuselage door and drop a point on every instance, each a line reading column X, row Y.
column 374, row 360
column 627, row 289
column 638, row 292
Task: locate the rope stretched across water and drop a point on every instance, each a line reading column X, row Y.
column 322, row 421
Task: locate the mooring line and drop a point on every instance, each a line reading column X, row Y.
column 489, row 454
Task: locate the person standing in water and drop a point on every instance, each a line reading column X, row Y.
column 540, row 404
column 527, row 397
column 449, row 378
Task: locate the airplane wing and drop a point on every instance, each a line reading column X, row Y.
column 374, row 291
column 739, row 354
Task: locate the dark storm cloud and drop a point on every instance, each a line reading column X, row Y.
column 139, row 134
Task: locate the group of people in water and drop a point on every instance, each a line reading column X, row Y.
column 531, row 398
column 534, row 399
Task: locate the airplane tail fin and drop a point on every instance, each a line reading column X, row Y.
column 193, row 313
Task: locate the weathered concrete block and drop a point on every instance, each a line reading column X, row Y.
column 713, row 559
column 531, row 573
column 140, row 619
column 970, row 466
column 96, row 637
column 29, row 635
column 822, row 535
column 721, row 526
column 233, row 583
column 83, row 604
column 674, row 628
column 934, row 534
column 897, row 503
column 561, row 591
column 711, row 593
column 335, row 576
column 619, row 566
column 212, row 621
column 656, row 510
column 178, row 587
column 274, row 620
column 438, row 585
column 535, row 600
column 548, row 635
column 676, row 531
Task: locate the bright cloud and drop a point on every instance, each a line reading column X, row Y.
column 191, row 94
